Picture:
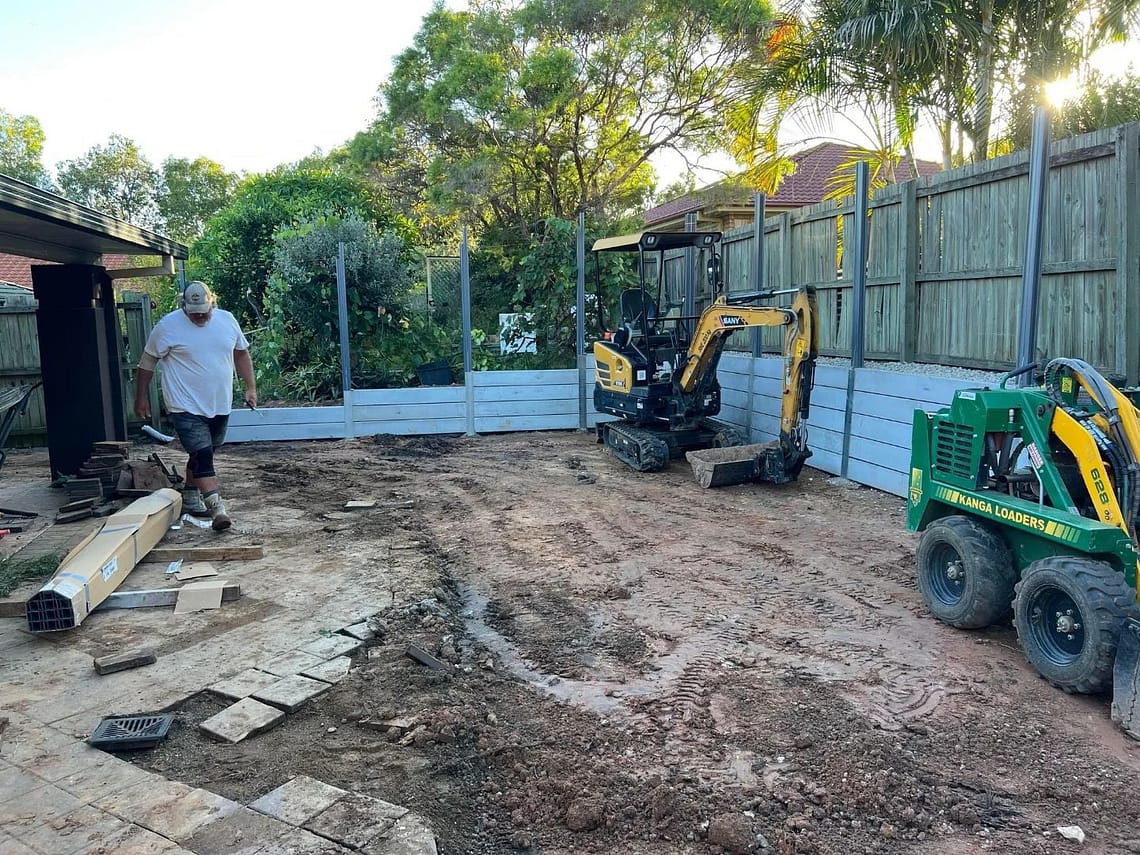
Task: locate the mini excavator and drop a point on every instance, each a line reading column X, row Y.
column 1028, row 500
column 656, row 370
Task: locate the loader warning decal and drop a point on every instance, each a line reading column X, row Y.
column 1049, row 528
column 915, row 486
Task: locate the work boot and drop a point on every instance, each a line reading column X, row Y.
column 192, row 502
column 217, row 509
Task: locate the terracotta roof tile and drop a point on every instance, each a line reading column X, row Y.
column 806, row 186
column 17, row 269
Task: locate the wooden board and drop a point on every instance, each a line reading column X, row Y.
column 166, row 554
column 160, row 597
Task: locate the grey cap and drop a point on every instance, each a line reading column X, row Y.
column 198, row 299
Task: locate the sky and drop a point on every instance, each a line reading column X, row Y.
column 248, row 83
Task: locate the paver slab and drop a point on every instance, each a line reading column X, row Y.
column 290, row 693
column 241, row 720
column 139, row 798
column 15, row 782
column 12, row 846
column 410, row 835
column 332, row 671
column 136, row 840
column 332, row 645
column 36, row 807
column 361, row 631
column 301, row 842
column 293, row 662
column 98, row 779
column 244, row 832
column 179, row 819
column 355, row 820
column 244, row 684
column 83, row 830
column 298, row 800
column 73, row 758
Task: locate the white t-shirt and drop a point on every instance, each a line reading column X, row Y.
column 197, row 362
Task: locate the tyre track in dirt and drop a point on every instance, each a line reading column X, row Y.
column 749, row 591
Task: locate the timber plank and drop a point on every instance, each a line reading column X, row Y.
column 204, row 553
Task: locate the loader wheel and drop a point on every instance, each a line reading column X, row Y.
column 965, row 572
column 1068, row 613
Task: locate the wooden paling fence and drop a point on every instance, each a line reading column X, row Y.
column 945, row 257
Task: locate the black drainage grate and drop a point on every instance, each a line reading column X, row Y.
column 130, row 732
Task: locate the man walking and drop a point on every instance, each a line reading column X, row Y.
column 198, row 346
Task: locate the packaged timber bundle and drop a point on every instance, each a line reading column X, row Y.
column 99, row 564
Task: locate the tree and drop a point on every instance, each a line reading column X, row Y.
column 897, row 61
column 298, row 355
column 1104, row 102
column 21, row 149
column 191, row 192
column 115, row 179
column 235, row 252
column 538, row 108
column 547, row 290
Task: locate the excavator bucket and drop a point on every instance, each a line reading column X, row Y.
column 738, row 464
column 1126, row 680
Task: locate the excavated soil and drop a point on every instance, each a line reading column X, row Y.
column 637, row 665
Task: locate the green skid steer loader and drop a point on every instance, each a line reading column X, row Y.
column 1028, row 499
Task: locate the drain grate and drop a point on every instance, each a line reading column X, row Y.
column 130, row 732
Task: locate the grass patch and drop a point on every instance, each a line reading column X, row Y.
column 15, row 571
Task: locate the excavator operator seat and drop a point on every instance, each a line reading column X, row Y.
column 630, row 302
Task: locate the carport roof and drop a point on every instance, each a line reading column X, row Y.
column 38, row 224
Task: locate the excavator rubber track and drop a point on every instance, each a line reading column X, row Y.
column 640, row 449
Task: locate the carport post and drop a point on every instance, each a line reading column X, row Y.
column 580, row 318
column 345, row 355
column 465, row 291
column 858, row 293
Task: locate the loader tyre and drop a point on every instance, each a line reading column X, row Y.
column 1068, row 613
column 965, row 572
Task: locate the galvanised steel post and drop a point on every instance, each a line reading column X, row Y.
column 1035, row 227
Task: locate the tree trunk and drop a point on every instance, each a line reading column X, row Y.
column 983, row 85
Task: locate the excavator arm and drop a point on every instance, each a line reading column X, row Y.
column 801, row 346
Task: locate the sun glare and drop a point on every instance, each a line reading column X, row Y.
column 1062, row 90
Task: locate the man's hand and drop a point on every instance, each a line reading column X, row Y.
column 142, row 409
column 251, row 399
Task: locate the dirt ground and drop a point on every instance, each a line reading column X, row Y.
column 642, row 666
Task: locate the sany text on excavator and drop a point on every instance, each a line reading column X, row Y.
column 656, row 371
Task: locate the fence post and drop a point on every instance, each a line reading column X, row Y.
column 786, row 278
column 1034, row 230
column 580, row 319
column 1128, row 260
column 345, row 354
column 465, row 299
column 858, row 300
column 908, row 275
column 759, row 201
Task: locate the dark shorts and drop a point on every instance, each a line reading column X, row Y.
column 198, row 432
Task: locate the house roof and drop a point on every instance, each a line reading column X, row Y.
column 806, row 186
column 17, row 269
column 38, row 224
